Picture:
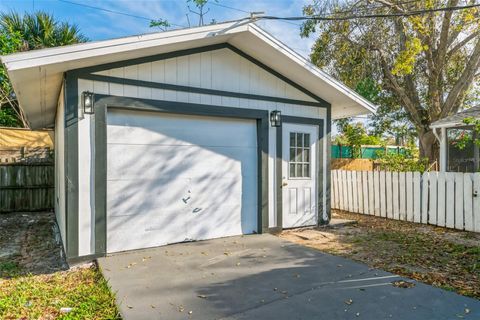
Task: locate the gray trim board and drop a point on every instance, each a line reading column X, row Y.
column 104, row 102
column 100, row 170
column 328, row 176
column 279, row 167
column 71, row 166
column 214, row 92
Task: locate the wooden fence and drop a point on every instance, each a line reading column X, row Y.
column 449, row 199
column 26, row 187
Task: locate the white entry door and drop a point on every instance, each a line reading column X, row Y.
column 299, row 175
column 174, row 178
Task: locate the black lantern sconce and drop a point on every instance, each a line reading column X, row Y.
column 87, row 101
column 275, row 118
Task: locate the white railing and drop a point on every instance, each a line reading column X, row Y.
column 449, row 199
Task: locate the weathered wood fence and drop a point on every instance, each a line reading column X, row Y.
column 449, row 199
column 26, row 187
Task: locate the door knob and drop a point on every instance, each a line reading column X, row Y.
column 284, row 184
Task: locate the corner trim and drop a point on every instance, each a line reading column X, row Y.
column 71, row 166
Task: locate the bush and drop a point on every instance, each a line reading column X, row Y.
column 401, row 162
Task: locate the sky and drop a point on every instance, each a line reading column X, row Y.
column 100, row 25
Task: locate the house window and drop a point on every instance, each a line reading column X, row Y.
column 300, row 154
column 462, row 153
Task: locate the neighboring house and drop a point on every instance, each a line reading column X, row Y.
column 182, row 135
column 449, row 131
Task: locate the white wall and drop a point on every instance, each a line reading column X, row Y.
column 221, row 70
column 60, row 165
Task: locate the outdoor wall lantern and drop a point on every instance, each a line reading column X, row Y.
column 87, row 100
column 276, row 118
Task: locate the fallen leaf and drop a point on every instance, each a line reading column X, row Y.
column 403, row 284
column 349, row 301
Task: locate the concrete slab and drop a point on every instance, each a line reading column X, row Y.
column 264, row 277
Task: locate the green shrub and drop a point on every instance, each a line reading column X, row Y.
column 401, row 162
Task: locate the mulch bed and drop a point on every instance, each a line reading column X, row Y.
column 29, row 244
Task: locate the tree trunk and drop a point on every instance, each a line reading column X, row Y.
column 429, row 147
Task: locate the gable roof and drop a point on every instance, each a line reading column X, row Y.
column 37, row 75
column 457, row 119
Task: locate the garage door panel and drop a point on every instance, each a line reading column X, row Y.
column 206, row 191
column 130, row 161
column 171, row 178
column 145, row 196
column 223, row 224
column 136, row 232
column 149, row 128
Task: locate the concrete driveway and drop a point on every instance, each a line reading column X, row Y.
column 264, row 277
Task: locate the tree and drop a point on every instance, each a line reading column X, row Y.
column 426, row 63
column 22, row 33
column 355, row 135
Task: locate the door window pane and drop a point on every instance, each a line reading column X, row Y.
column 299, row 139
column 299, row 170
column 300, row 155
column 292, row 170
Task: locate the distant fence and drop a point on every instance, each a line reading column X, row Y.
column 352, row 164
column 449, row 199
column 366, row 152
column 25, row 154
column 26, row 187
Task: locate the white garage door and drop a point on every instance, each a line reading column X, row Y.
column 173, row 178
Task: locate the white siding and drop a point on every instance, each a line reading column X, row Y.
column 60, row 166
column 220, row 70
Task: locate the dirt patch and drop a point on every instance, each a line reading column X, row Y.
column 442, row 257
column 29, row 244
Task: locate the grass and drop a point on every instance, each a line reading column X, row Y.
column 84, row 290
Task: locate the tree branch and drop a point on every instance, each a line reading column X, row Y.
column 463, row 82
column 462, row 43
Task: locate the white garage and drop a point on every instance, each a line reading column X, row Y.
column 174, row 178
column 182, row 135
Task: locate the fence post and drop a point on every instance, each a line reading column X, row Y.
column 365, row 192
column 468, row 201
column 371, row 193
column 441, row 199
column 395, row 196
column 409, row 191
column 432, row 204
column 417, row 197
column 459, row 200
column 402, row 196
column 450, row 200
column 476, row 202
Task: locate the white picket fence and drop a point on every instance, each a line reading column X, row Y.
column 443, row 199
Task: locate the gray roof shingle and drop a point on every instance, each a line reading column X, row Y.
column 457, row 119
